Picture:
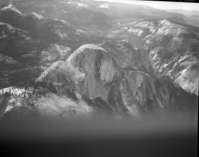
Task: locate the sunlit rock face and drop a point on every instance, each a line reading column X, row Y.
column 98, row 69
column 92, row 73
column 89, row 81
column 188, row 79
column 165, row 49
column 91, row 68
column 176, row 55
column 135, row 68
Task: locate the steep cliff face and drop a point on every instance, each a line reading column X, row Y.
column 176, row 55
column 90, row 71
column 165, row 49
column 94, row 81
column 98, row 70
column 140, row 89
column 137, row 68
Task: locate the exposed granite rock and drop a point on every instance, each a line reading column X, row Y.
column 100, row 70
column 142, row 91
column 164, row 48
column 92, row 76
column 124, row 75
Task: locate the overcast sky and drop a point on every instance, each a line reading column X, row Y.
column 161, row 5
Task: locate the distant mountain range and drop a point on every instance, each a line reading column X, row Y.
column 186, row 12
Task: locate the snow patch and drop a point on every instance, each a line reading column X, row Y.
column 106, row 6
column 82, row 5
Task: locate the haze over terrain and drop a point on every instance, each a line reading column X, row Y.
column 160, row 4
column 63, row 59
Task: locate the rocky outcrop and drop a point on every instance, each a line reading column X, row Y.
column 188, row 79
column 90, row 71
column 142, row 90
column 165, row 49
column 97, row 69
column 175, row 55
column 91, row 80
column 138, row 68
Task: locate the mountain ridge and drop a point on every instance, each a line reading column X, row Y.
column 133, row 69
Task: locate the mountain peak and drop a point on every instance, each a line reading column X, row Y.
column 12, row 8
column 83, row 47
